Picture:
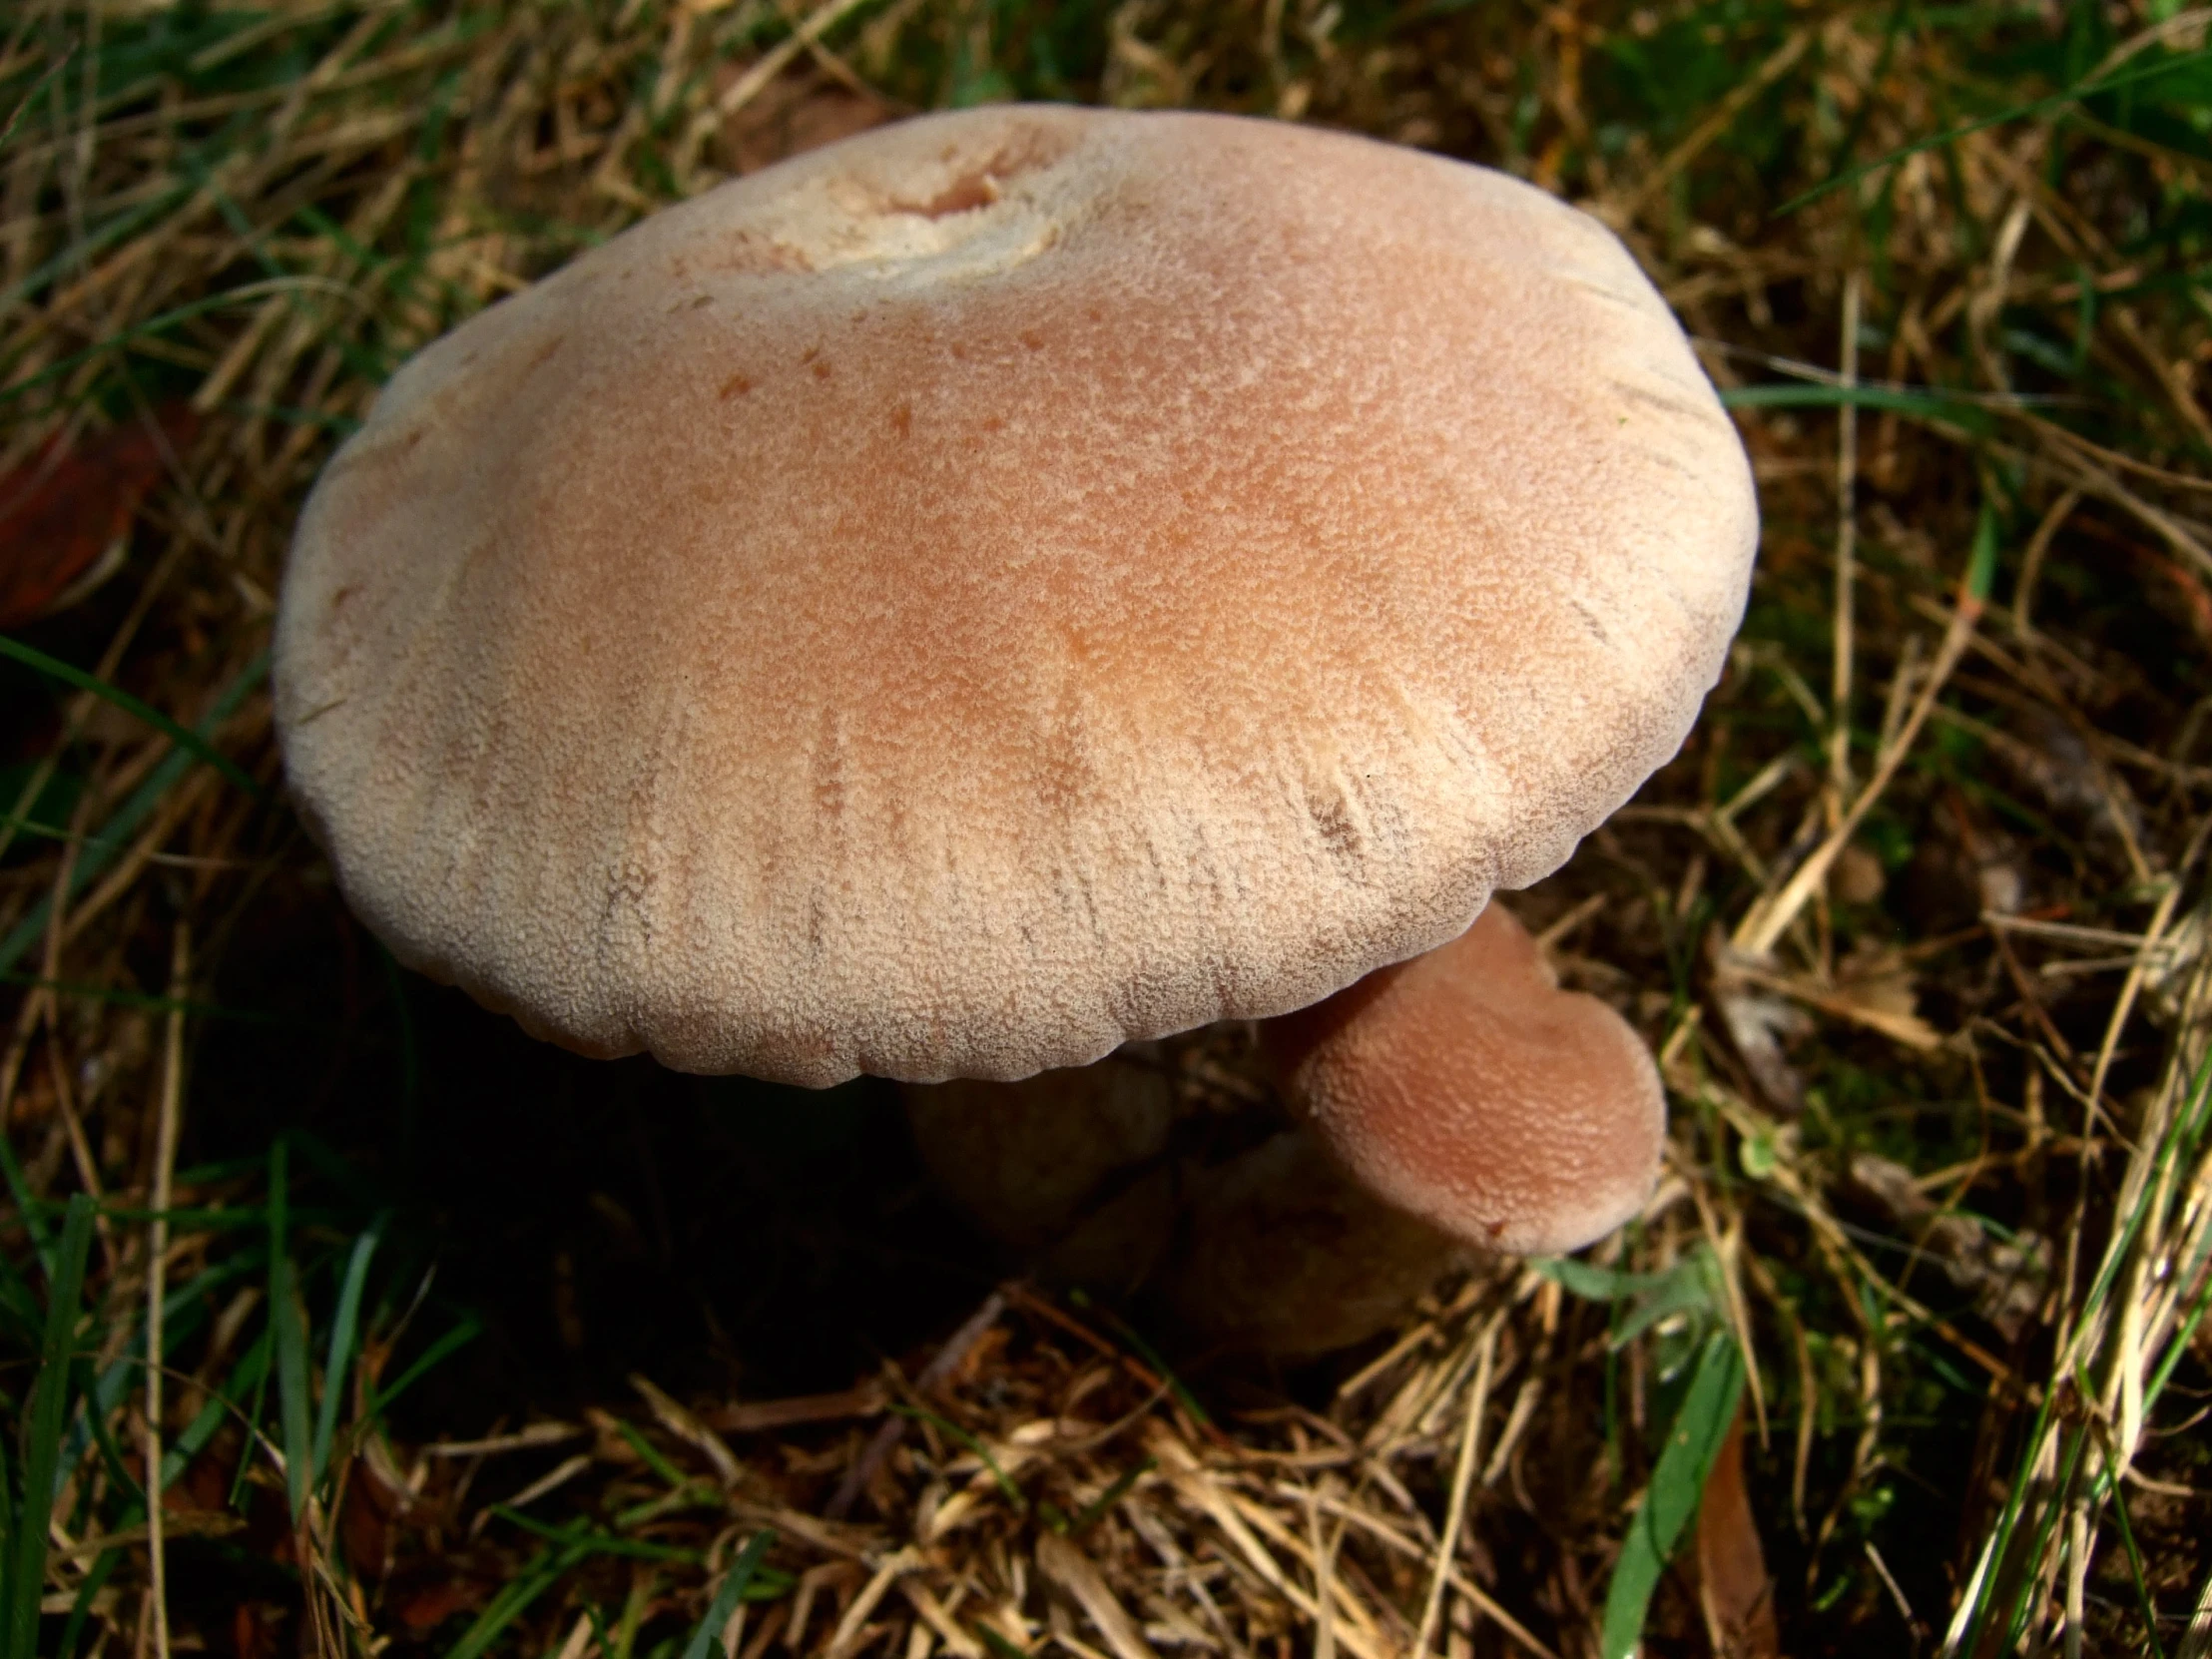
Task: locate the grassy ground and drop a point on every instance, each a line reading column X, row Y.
column 468, row 1347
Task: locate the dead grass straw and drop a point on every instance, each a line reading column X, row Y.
column 1917, row 922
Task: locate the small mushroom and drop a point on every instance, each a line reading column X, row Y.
column 1449, row 1109
column 1466, row 1089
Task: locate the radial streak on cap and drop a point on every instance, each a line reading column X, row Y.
column 1005, row 584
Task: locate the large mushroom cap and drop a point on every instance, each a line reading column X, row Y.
column 1005, row 584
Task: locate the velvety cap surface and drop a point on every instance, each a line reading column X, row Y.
column 1466, row 1088
column 1005, row 584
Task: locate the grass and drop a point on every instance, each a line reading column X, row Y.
column 470, row 1347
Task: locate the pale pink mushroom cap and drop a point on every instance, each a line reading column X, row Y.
column 1466, row 1088
column 1005, row 584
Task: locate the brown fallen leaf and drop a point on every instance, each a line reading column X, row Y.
column 65, row 515
column 1733, row 1587
column 425, row 1609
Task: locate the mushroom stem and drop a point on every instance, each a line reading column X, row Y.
column 1466, row 1089
column 1031, row 1163
column 1097, row 1177
column 1283, row 1253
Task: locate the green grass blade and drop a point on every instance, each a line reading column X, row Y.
column 61, row 62
column 342, row 1333
column 96, row 238
column 80, row 1609
column 252, row 1365
column 92, row 861
column 7, row 1534
column 543, row 1572
column 646, row 1449
column 1814, row 395
column 707, row 1639
column 229, row 299
column 954, row 1432
column 42, row 1242
column 1121, row 1488
column 2178, row 1346
column 43, row 1429
column 182, row 736
column 1150, row 1356
column 1595, row 1284
column 288, row 1329
column 2075, row 94
column 465, row 1331
column 252, row 1427
column 2143, row 1599
column 89, row 1426
column 1677, row 1484
column 592, row 1542
column 1981, row 565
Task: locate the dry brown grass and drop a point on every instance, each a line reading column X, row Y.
column 1916, row 921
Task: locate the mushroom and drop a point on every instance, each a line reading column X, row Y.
column 1005, row 585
